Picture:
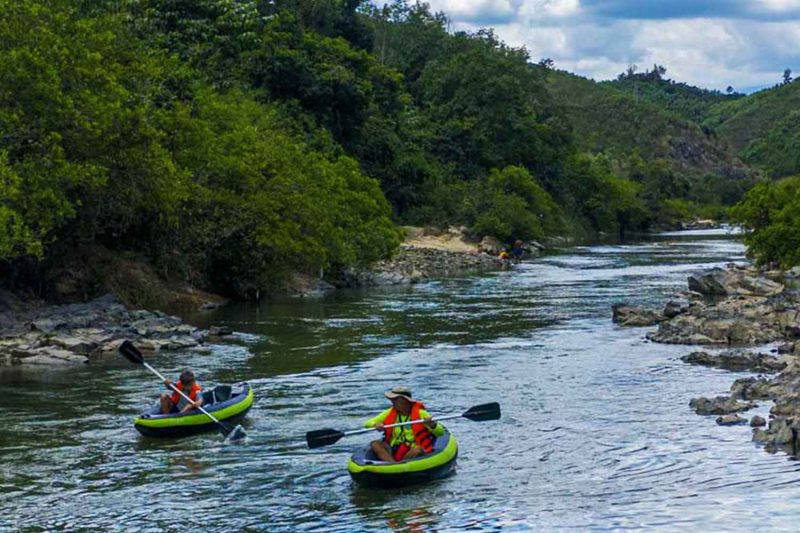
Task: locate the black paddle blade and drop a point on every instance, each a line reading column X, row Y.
column 235, row 435
column 322, row 437
column 482, row 413
column 131, row 353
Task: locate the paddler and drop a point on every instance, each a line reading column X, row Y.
column 175, row 403
column 404, row 442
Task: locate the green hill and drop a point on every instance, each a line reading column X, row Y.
column 686, row 100
column 608, row 120
column 763, row 128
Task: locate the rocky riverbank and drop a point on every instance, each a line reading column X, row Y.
column 430, row 253
column 736, row 309
column 414, row 265
column 77, row 333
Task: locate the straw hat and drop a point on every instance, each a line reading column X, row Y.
column 398, row 392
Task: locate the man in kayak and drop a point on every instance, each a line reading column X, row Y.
column 405, row 442
column 175, row 403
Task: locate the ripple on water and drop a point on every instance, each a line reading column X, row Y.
column 596, row 431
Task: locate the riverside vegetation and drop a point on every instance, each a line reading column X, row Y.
column 230, row 145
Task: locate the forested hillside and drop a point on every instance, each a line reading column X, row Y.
column 231, row 143
column 683, row 99
column 679, row 166
column 764, row 128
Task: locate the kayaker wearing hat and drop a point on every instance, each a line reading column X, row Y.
column 405, row 442
column 175, row 403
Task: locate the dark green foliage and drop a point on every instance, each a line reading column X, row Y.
column 490, row 107
column 771, row 215
column 106, row 143
column 763, row 128
column 652, row 86
column 511, row 205
column 232, row 142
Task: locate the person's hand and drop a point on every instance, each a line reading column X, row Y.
column 380, row 427
column 431, row 423
column 168, row 383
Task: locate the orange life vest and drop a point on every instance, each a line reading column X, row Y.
column 422, row 436
column 192, row 393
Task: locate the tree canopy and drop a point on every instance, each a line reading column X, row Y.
column 233, row 142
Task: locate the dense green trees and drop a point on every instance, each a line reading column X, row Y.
column 233, row 142
column 510, row 204
column 770, row 214
column 107, row 142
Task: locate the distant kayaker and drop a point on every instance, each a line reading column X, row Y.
column 405, row 442
column 175, row 403
column 504, row 255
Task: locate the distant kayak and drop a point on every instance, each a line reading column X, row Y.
column 368, row 471
column 228, row 403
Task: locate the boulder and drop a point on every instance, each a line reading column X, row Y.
column 79, row 345
column 721, row 405
column 753, row 389
column 736, row 361
column 786, row 406
column 674, row 308
column 779, row 433
column 722, row 282
column 757, row 422
column 626, row 315
column 731, row 420
column 490, row 245
column 53, row 356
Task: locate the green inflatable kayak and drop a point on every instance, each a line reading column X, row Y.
column 368, row 471
column 229, row 404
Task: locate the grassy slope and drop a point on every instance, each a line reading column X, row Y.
column 763, row 128
column 608, row 120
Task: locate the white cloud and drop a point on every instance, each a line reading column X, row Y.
column 777, row 6
column 545, row 9
column 711, row 51
column 473, row 10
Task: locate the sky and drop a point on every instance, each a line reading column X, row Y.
column 746, row 44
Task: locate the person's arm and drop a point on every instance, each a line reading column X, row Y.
column 376, row 420
column 193, row 405
column 433, row 426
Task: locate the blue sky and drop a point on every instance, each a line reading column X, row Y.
column 709, row 43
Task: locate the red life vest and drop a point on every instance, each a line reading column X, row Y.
column 423, row 438
column 192, row 394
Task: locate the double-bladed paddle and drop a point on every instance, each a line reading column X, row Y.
column 479, row 413
column 132, row 354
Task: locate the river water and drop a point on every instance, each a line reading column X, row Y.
column 596, row 432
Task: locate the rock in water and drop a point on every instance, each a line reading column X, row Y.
column 627, row 315
column 736, row 361
column 731, row 420
column 721, row 405
column 721, row 282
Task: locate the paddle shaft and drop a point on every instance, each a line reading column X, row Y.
column 399, row 424
column 176, row 389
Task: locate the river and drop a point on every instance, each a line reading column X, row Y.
column 596, row 432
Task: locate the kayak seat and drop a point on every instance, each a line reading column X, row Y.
column 208, row 397
column 221, row 393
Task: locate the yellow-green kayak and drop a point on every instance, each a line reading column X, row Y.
column 368, row 471
column 229, row 404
